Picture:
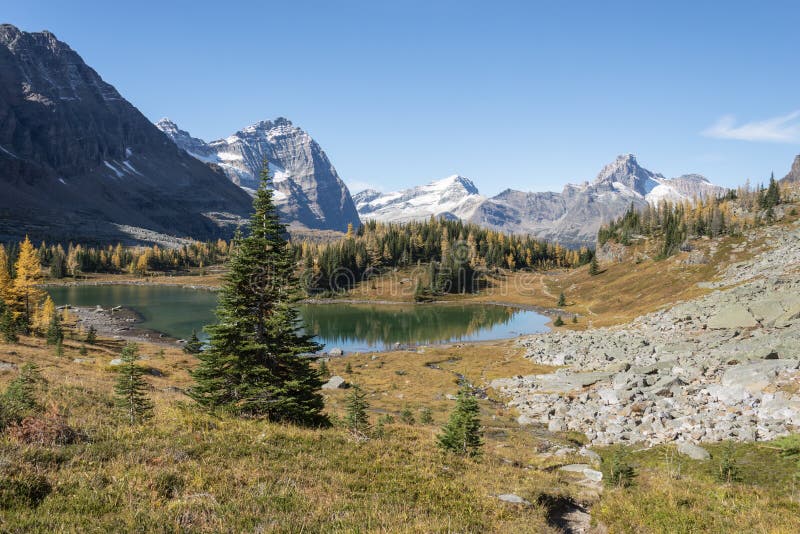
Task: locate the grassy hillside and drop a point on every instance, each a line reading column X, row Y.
column 187, row 471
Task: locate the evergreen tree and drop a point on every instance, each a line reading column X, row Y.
column 55, row 334
column 194, row 345
column 356, row 417
column 594, row 268
column 254, row 365
column 407, row 416
column 562, row 300
column 8, row 326
column 462, row 433
column 620, row 473
column 324, row 372
column 91, row 335
column 426, row 416
column 131, row 388
column 772, row 197
column 559, row 321
column 728, row 466
column 19, row 399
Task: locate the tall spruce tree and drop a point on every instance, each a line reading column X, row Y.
column 254, row 365
column 131, row 389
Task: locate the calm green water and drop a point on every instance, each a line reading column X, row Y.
column 176, row 311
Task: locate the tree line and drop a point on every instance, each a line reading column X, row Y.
column 674, row 223
column 78, row 259
column 455, row 252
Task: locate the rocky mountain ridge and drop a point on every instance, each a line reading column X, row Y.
column 571, row 217
column 79, row 162
column 308, row 190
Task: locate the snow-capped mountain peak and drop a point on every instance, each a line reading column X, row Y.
column 307, row 188
column 626, row 176
column 454, row 196
column 571, row 217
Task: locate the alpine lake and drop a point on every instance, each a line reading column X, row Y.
column 176, row 311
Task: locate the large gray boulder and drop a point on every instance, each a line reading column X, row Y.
column 756, row 376
column 695, row 452
column 335, row 382
column 732, row 316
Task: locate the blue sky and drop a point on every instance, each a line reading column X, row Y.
column 527, row 95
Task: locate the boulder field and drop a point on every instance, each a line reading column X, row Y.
column 723, row 367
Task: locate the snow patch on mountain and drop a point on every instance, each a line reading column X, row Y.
column 452, row 197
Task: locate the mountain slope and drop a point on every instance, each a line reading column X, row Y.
column 309, row 192
column 80, row 162
column 571, row 217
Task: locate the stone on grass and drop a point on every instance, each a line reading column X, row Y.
column 513, row 499
column 695, row 452
column 335, row 382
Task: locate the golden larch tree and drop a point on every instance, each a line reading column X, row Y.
column 26, row 294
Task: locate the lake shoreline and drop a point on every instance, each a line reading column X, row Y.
column 119, row 323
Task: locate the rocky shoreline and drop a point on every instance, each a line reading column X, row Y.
column 118, row 323
column 74, row 283
column 722, row 367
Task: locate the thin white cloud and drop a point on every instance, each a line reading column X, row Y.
column 782, row 129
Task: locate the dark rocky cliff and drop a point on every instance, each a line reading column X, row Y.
column 79, row 162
